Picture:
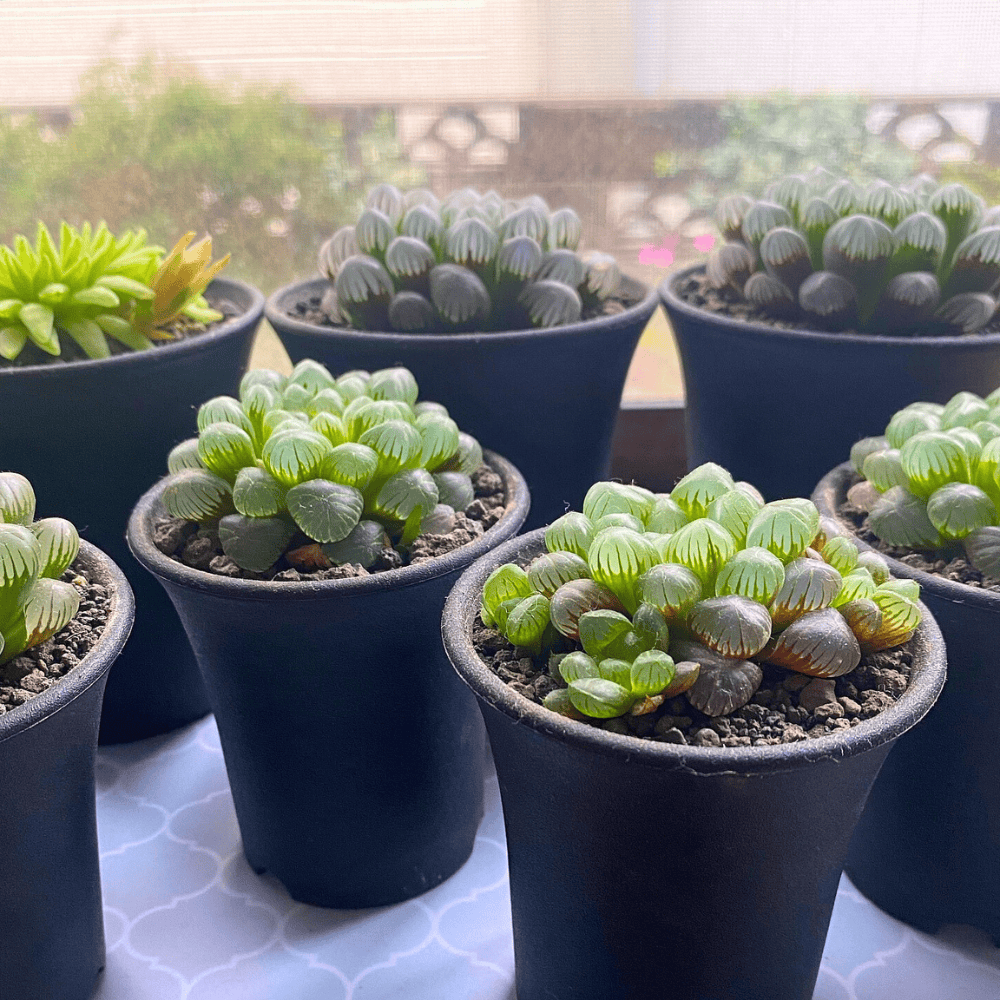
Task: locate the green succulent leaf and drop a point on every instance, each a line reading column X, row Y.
column 256, row 493
column 734, row 511
column 225, row 449
column 527, row 622
column 20, row 565
column 550, row 303
column 752, row 572
column 731, row 625
column 295, row 456
column 615, row 498
column 58, row 544
column 982, row 547
column 454, row 489
column 810, row 584
column 397, row 443
column 573, row 532
column 600, row 629
column 958, row 509
column 672, row 588
column 50, row 606
column 576, row 598
column 900, row 518
column 695, row 491
column 865, row 447
column 549, row 571
column 857, row 585
column 931, row 459
column 781, row 530
column 460, row 296
column 505, row 583
column 600, row 698
column 875, row 564
column 884, row 469
column 197, row 495
column 407, row 491
column 17, row 499
column 362, row 545
column 841, row 553
column 618, row 557
column 576, row 666
column 255, row 543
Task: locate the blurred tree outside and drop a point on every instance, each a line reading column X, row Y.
column 156, row 146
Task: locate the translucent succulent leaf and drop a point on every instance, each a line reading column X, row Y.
column 17, row 499
column 223, row 410
column 766, row 292
column 957, row 509
column 615, row 498
column 559, row 701
column 20, row 565
column 500, row 613
column 617, row 670
column 49, row 606
column 695, row 491
column 734, row 511
column 330, row 426
column 982, row 547
column 930, row 460
column 362, row 414
column 986, row 474
column 395, row 384
column 311, row 375
column 920, row 244
column 820, row 644
column 277, row 420
column 672, row 588
column 721, row 685
column 830, row 300
column 362, row 278
column 666, row 516
column 843, row 197
column 729, row 214
column 600, row 629
column 439, row 440
column 564, row 229
column 525, row 221
column 407, row 491
column 563, row 266
column 549, row 571
column 828, row 528
column 652, row 672
column 58, row 544
column 900, row 518
column 703, row 546
column 900, row 617
column 507, row 582
column 970, row 442
column 785, row 254
column 576, row 666
column 907, row 422
column 273, row 380
column 573, row 532
column 963, row 410
column 255, row 543
column 617, row 558
column 386, row 199
column 471, row 242
column 732, row 625
column 841, row 553
column 439, row 521
column 350, row 464
column 396, row 443
column 225, row 449
column 650, row 625
column 781, row 530
column 865, row 447
column 550, row 303
column 909, row 589
column 256, row 493
column 618, row 521
column 294, row 456
column 423, row 223
column 256, row 402
column 908, row 302
column 454, row 489
column 729, row 266
column 373, row 231
column 968, row 312
column 427, row 407
column 350, row 385
column 888, row 203
column 864, row 619
column 603, row 276
column 296, row 398
column 754, row 573
column 459, row 295
column 810, row 584
column 792, row 192
column 336, row 250
column 863, row 495
column 857, row 585
column 470, row 454
column 884, row 469
column 875, row 564
column 600, row 698
column 959, row 209
column 197, row 495
column 362, row 545
column 976, row 265
column 576, row 598
column 760, row 219
column 519, row 259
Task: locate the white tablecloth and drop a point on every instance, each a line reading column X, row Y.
column 186, row 918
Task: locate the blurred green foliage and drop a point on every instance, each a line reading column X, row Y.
column 779, row 134
column 162, row 148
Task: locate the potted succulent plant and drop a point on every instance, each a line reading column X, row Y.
column 827, row 308
column 336, row 514
column 488, row 303
column 927, row 493
column 106, row 346
column 65, row 613
column 682, row 694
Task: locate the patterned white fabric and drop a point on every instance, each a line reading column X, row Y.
column 186, row 918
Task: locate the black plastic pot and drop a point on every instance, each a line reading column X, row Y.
column 642, row 869
column 52, row 920
column 781, row 407
column 547, row 399
column 934, row 814
column 354, row 753
column 92, row 436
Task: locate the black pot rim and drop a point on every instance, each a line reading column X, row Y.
column 96, row 663
column 826, row 497
column 280, row 320
column 163, row 353
column 674, row 303
column 463, row 604
column 141, row 544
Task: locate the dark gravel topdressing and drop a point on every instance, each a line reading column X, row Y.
column 199, row 547
column 695, row 291
column 788, row 707
column 38, row 668
column 950, row 564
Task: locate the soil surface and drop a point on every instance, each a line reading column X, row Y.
column 308, row 311
column 787, row 708
column 949, row 564
column 181, row 329
column 199, row 547
column 38, row 668
column 695, row 291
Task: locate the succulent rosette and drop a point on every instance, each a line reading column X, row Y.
column 690, row 592
column 353, row 463
column 414, row 264
column 915, row 259
column 34, row 602
column 932, row 481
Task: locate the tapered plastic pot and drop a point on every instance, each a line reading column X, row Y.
column 93, row 436
column 927, row 849
column 547, row 399
column 52, row 937
column 781, row 407
column 354, row 753
column 642, row 869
